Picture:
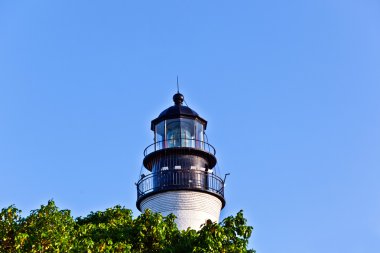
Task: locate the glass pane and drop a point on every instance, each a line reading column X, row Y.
column 187, row 133
column 199, row 135
column 173, row 133
column 160, row 134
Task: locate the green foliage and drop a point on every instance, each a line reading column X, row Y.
column 9, row 225
column 49, row 229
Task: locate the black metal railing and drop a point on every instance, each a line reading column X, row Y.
column 180, row 143
column 180, row 179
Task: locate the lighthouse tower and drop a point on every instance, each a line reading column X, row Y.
column 179, row 175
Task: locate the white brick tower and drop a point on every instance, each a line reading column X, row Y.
column 179, row 175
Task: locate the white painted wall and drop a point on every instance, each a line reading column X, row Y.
column 192, row 208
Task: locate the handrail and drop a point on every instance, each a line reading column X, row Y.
column 180, row 143
column 180, row 179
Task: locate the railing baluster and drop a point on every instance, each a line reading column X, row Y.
column 183, row 142
column 178, row 179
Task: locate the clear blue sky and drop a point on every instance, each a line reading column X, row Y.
column 291, row 91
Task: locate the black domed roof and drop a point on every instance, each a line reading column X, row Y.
column 178, row 111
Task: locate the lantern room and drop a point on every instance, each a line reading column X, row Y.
column 179, row 126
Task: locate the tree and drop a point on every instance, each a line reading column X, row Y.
column 49, row 229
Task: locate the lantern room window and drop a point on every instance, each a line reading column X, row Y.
column 181, row 132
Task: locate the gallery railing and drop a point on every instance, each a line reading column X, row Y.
column 180, row 179
column 180, row 143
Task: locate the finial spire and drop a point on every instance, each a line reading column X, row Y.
column 177, row 85
column 178, row 99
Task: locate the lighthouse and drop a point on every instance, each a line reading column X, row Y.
column 178, row 174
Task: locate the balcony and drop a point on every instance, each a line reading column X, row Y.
column 181, row 179
column 180, row 143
